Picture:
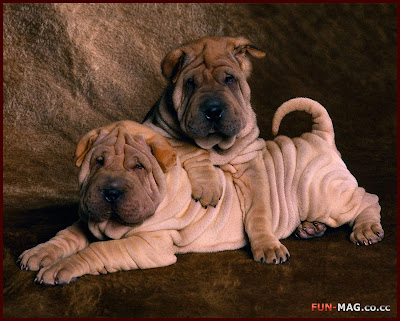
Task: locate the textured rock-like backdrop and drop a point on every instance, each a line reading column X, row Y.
column 71, row 67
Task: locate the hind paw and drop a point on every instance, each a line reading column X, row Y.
column 307, row 230
column 367, row 234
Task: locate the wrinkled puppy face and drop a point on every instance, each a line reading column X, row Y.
column 120, row 180
column 210, row 92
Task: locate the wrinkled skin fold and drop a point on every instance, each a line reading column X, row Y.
column 307, row 180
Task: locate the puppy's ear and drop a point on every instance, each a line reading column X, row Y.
column 160, row 148
column 84, row 145
column 242, row 47
column 159, row 145
column 172, row 64
column 163, row 152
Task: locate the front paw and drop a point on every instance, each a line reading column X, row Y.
column 367, row 234
column 273, row 253
column 207, row 189
column 64, row 271
column 38, row 257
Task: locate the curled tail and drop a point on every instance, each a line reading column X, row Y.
column 322, row 123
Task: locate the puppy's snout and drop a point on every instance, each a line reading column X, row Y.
column 213, row 109
column 112, row 195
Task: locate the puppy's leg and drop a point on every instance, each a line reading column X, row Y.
column 367, row 228
column 141, row 251
column 66, row 242
column 345, row 202
column 307, row 230
column 202, row 175
column 251, row 181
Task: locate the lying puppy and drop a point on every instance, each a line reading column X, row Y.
column 138, row 203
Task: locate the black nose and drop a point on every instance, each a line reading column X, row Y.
column 213, row 109
column 112, row 195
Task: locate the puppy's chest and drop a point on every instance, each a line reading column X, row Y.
column 215, row 229
column 200, row 229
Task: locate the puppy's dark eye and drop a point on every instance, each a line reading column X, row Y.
column 139, row 166
column 229, row 79
column 100, row 160
column 190, row 83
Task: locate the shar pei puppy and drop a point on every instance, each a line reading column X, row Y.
column 136, row 202
column 207, row 103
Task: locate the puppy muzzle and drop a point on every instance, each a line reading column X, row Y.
column 118, row 199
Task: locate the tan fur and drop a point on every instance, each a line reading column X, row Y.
column 197, row 72
column 68, row 71
column 308, row 180
column 209, row 61
column 177, row 224
column 160, row 148
column 214, row 57
column 303, row 179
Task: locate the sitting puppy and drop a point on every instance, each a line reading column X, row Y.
column 207, row 103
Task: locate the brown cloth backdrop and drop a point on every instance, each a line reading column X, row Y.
column 71, row 67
